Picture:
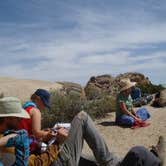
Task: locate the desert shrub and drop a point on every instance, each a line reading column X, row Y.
column 151, row 88
column 92, row 92
column 65, row 107
column 100, row 107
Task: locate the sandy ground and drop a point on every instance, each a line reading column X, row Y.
column 120, row 140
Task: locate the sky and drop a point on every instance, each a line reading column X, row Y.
column 72, row 40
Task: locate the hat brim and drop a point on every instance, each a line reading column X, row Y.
column 22, row 114
column 128, row 86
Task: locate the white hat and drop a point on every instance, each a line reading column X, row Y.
column 126, row 84
column 11, row 107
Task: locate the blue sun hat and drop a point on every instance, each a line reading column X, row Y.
column 45, row 97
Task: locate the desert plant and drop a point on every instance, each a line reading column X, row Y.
column 65, row 107
column 150, row 88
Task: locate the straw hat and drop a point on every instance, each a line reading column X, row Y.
column 11, row 107
column 126, row 84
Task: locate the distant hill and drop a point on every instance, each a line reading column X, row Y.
column 23, row 88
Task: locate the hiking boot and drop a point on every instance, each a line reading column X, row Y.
column 159, row 149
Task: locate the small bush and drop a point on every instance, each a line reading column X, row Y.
column 150, row 89
column 65, row 107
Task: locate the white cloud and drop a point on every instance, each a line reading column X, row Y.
column 99, row 43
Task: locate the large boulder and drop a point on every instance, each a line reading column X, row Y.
column 98, row 86
column 109, row 85
column 135, row 77
column 70, row 88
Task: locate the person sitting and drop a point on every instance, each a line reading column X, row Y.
column 136, row 93
column 125, row 114
column 40, row 100
column 82, row 128
column 138, row 98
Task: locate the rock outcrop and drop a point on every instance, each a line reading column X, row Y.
column 107, row 84
column 72, row 88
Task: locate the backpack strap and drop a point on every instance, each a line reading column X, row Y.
column 21, row 144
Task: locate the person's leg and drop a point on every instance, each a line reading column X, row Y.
column 140, row 156
column 125, row 120
column 82, row 127
column 143, row 113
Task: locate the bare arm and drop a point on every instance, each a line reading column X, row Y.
column 36, row 124
column 125, row 110
column 132, row 113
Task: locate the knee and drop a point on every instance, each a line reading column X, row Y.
column 138, row 149
column 82, row 115
column 127, row 120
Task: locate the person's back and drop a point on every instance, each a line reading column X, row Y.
column 136, row 93
column 27, row 123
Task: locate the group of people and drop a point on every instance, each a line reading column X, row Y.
column 20, row 127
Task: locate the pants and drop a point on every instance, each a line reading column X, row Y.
column 140, row 156
column 82, row 128
column 129, row 121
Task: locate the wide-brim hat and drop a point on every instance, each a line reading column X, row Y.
column 45, row 97
column 126, row 84
column 11, row 107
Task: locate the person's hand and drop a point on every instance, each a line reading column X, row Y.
column 49, row 135
column 62, row 135
column 139, row 120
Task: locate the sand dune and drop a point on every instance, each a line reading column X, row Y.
column 23, row 88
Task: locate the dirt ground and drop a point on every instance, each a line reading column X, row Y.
column 120, row 140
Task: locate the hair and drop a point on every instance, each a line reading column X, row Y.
column 34, row 97
column 1, row 120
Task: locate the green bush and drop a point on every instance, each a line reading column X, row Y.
column 150, row 89
column 65, row 107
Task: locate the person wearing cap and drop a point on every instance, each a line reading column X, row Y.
column 40, row 100
column 125, row 114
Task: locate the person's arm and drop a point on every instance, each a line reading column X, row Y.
column 125, row 110
column 4, row 139
column 36, row 124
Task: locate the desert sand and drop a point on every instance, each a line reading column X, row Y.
column 120, row 140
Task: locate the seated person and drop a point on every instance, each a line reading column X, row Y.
column 125, row 114
column 40, row 100
column 138, row 98
column 82, row 128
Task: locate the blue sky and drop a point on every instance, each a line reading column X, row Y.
column 72, row 40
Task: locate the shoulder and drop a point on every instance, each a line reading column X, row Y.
column 34, row 111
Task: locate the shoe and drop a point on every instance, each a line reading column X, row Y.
column 159, row 150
